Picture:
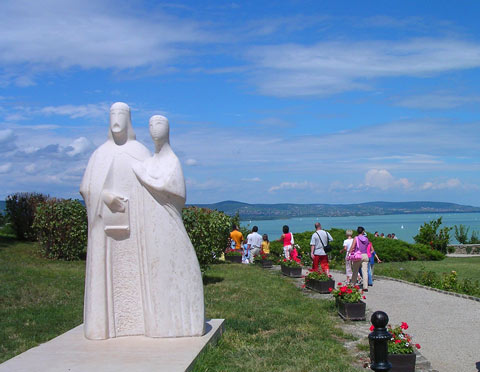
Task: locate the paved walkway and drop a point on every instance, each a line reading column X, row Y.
column 446, row 327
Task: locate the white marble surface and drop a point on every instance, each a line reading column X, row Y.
column 142, row 275
column 72, row 352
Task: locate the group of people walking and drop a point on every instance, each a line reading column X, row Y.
column 359, row 258
column 359, row 252
column 252, row 246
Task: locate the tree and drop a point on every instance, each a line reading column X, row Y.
column 431, row 234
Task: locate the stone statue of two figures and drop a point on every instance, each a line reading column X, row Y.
column 142, row 275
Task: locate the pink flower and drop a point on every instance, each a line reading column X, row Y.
column 303, row 286
column 372, row 327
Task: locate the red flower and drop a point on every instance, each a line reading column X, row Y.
column 349, row 290
column 303, row 286
column 356, row 287
column 330, row 289
column 343, row 289
column 404, row 325
column 329, row 276
column 339, row 284
column 284, row 260
column 417, row 346
column 372, row 327
column 398, row 341
column 364, row 297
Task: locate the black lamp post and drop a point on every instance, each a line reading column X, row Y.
column 379, row 342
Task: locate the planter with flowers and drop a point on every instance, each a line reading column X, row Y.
column 401, row 349
column 291, row 268
column 233, row 255
column 349, row 302
column 265, row 261
column 319, row 281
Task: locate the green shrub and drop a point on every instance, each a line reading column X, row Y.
column 61, row 227
column 461, row 233
column 450, row 281
column 3, row 219
column 209, row 231
column 474, row 239
column 428, row 278
column 470, row 287
column 20, row 209
column 431, row 234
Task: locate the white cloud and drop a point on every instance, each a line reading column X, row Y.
column 437, row 100
column 80, row 146
column 5, row 168
column 191, row 162
column 327, row 68
column 383, row 179
column 78, row 111
column 452, row 183
column 292, row 186
column 254, row 179
column 7, row 140
column 60, row 34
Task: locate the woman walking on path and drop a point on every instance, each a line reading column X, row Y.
column 347, row 243
column 287, row 239
column 360, row 243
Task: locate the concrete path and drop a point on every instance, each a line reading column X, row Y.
column 446, row 327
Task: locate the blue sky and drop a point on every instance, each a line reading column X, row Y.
column 288, row 101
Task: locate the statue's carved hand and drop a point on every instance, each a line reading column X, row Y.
column 115, row 202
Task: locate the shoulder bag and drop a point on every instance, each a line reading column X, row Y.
column 356, row 255
column 327, row 248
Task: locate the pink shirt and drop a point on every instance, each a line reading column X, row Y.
column 287, row 239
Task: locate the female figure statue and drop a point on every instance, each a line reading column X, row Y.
column 173, row 289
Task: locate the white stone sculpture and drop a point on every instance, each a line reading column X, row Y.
column 142, row 276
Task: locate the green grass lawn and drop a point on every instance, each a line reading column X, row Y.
column 270, row 324
column 465, row 267
column 39, row 298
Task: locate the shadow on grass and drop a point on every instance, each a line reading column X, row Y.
column 7, row 241
column 207, row 279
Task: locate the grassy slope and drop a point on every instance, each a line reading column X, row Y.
column 465, row 267
column 39, row 299
column 270, row 325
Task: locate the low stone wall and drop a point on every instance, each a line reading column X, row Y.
column 466, row 248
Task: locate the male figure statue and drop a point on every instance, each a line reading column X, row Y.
column 113, row 296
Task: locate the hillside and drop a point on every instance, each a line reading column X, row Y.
column 267, row 211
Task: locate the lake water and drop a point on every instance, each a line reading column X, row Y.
column 405, row 226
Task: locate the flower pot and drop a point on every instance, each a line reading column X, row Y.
column 266, row 264
column 351, row 311
column 292, row 272
column 320, row 286
column 402, row 362
column 234, row 259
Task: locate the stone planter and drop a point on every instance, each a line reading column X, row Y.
column 292, row 272
column 266, row 264
column 234, row 259
column 402, row 362
column 351, row 311
column 320, row 286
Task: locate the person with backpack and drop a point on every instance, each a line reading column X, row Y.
column 319, row 245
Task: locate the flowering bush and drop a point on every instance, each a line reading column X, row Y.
column 347, row 293
column 316, row 275
column 265, row 256
column 290, row 263
column 401, row 342
column 233, row 252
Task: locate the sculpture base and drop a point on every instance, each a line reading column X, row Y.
column 74, row 353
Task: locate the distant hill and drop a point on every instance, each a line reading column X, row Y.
column 267, row 211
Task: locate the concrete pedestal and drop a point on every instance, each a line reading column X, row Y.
column 72, row 352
